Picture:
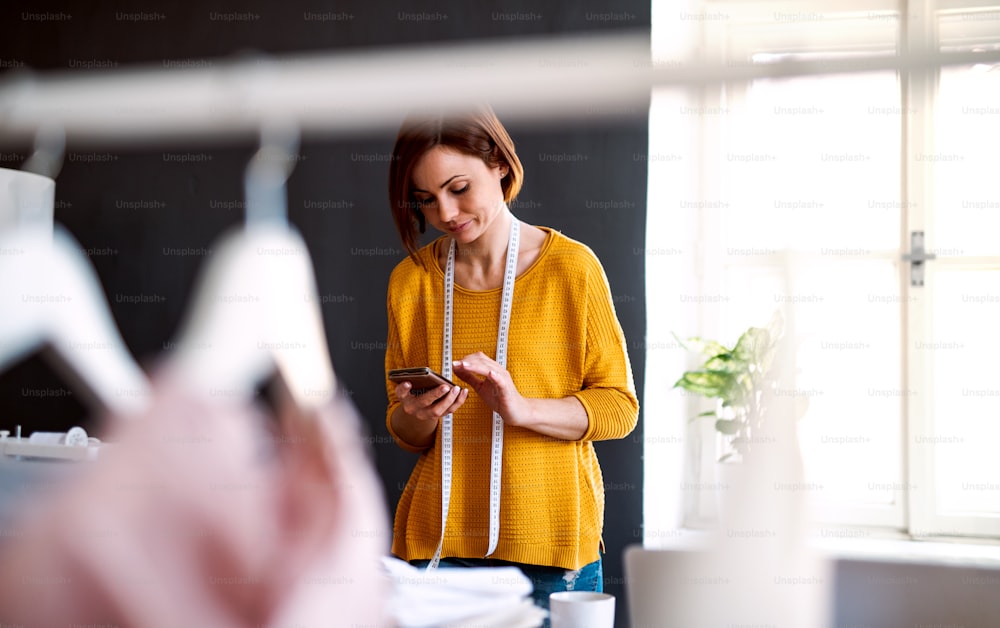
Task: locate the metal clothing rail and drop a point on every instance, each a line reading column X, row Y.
column 538, row 79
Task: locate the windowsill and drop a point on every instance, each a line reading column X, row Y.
column 870, row 544
column 898, row 547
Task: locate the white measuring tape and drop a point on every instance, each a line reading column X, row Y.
column 496, row 456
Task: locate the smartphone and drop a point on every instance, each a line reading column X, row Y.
column 422, row 378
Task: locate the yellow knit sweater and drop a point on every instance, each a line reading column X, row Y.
column 564, row 340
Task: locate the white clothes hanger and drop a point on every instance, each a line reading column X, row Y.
column 50, row 295
column 255, row 308
column 26, row 200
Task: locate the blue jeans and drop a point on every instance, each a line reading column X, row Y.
column 546, row 580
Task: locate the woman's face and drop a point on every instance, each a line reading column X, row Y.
column 458, row 194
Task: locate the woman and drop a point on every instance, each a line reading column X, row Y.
column 521, row 482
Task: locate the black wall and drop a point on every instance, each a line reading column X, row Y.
column 585, row 179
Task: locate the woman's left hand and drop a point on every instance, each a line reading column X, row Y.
column 494, row 385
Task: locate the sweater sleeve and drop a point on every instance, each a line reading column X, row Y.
column 608, row 393
column 394, row 359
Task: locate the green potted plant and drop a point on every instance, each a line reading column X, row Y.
column 738, row 379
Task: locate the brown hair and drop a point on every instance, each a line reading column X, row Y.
column 478, row 133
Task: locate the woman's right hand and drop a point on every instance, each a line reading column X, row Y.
column 433, row 404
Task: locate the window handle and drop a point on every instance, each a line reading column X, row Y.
column 917, row 256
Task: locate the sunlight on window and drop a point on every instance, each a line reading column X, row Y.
column 671, row 281
column 966, row 295
column 788, row 194
column 812, row 174
column 965, row 344
column 797, row 207
column 813, row 164
column 966, row 162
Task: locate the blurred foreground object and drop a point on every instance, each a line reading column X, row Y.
column 757, row 568
column 52, row 300
column 198, row 516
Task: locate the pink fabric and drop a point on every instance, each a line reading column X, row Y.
column 199, row 515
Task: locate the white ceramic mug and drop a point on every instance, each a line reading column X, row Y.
column 581, row 609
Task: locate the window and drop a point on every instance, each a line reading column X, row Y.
column 802, row 194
